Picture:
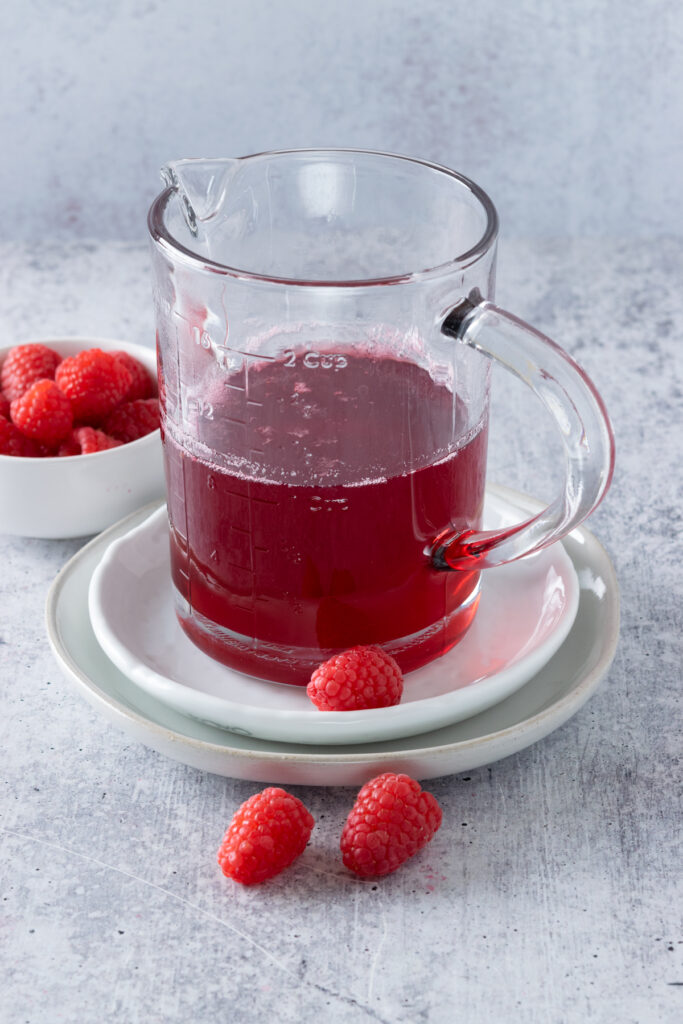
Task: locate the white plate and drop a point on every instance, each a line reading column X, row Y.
column 525, row 613
column 541, row 706
column 546, row 702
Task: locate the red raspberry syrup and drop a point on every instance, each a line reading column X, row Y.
column 273, row 575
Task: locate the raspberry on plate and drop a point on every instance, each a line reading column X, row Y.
column 357, row 679
column 132, row 420
column 25, row 364
column 141, row 385
column 267, row 833
column 43, row 413
column 95, row 382
column 85, row 441
column 13, row 442
column 391, row 820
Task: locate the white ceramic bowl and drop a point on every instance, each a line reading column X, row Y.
column 80, row 494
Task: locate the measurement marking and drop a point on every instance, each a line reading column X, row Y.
column 240, row 529
column 235, row 494
column 236, row 565
column 253, row 355
column 235, row 387
column 247, row 355
column 265, row 501
column 256, row 451
column 233, row 419
column 264, row 550
column 252, row 401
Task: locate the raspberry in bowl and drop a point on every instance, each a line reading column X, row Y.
column 79, row 440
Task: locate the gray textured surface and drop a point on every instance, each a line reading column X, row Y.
column 565, row 111
column 550, row 893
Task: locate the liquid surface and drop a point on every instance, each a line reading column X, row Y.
column 321, row 544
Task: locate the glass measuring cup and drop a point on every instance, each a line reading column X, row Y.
column 325, row 336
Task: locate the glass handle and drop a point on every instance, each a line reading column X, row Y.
column 581, row 417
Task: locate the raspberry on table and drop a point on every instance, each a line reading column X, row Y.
column 25, row 364
column 141, row 385
column 132, row 420
column 43, row 413
column 95, row 382
column 85, row 441
column 267, row 833
column 357, row 679
column 391, row 820
column 13, row 442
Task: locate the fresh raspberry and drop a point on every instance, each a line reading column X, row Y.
column 43, row 413
column 86, row 440
column 69, row 446
column 357, row 679
column 267, row 833
column 13, row 442
column 94, row 381
column 141, row 385
column 391, row 820
column 132, row 420
column 25, row 364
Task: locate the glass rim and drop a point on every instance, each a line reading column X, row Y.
column 162, row 237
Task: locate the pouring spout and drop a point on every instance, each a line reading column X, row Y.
column 202, row 186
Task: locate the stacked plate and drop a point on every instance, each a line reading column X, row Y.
column 543, row 638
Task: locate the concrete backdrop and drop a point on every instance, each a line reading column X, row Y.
column 567, row 111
